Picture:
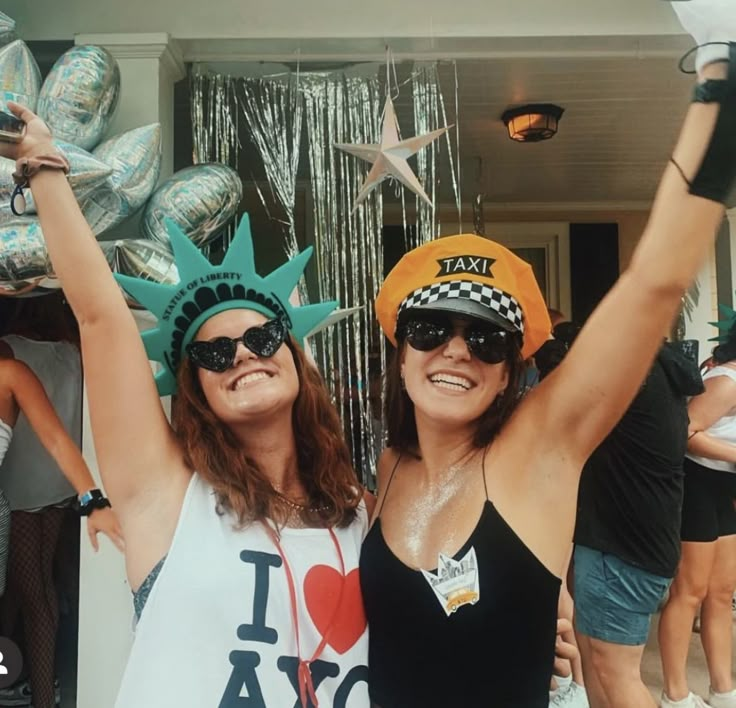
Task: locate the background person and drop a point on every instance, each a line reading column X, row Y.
column 627, row 534
column 34, row 534
column 706, row 576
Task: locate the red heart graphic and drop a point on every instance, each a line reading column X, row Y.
column 322, row 587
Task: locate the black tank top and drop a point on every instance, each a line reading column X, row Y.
column 494, row 653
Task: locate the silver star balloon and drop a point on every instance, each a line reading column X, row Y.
column 86, row 173
column 141, row 258
column 23, row 258
column 20, row 79
column 79, row 96
column 389, row 156
column 135, row 158
column 7, row 28
column 200, row 199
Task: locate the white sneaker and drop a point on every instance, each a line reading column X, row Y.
column 692, row 701
column 20, row 695
column 571, row 695
column 17, row 695
column 723, row 701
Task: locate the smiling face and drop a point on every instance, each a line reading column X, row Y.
column 448, row 384
column 253, row 386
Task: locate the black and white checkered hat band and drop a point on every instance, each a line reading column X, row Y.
column 492, row 298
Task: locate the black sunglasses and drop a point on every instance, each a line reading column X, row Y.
column 219, row 354
column 488, row 344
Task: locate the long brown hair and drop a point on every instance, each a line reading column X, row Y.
column 726, row 351
column 400, row 419
column 323, row 459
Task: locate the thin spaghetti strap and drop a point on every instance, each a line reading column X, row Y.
column 483, row 470
column 388, row 486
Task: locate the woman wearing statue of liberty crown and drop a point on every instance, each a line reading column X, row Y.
column 243, row 520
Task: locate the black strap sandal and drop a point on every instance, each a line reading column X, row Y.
column 716, row 177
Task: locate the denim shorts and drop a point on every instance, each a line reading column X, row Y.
column 615, row 601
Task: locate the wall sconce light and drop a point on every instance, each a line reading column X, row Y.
column 533, row 122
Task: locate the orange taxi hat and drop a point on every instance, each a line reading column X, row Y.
column 469, row 275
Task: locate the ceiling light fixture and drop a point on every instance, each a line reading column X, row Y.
column 533, row 122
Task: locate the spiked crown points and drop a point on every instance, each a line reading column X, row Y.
column 726, row 326
column 205, row 290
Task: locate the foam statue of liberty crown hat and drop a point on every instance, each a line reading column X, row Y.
column 470, row 275
column 726, row 326
column 205, row 290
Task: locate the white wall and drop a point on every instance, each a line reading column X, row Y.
column 105, row 608
column 697, row 326
column 62, row 19
column 105, row 599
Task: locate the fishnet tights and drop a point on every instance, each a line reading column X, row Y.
column 32, row 593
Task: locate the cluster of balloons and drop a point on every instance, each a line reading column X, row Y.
column 111, row 178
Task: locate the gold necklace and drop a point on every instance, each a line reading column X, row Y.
column 296, row 506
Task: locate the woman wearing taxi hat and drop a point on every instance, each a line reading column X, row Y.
column 461, row 569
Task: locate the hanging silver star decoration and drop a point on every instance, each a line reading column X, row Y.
column 389, row 156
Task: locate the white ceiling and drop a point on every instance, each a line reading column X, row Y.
column 611, row 65
column 624, row 100
column 621, row 119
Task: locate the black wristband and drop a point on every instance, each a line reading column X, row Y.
column 95, row 504
column 93, row 500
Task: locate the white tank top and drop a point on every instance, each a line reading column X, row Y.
column 6, row 435
column 29, row 476
column 217, row 630
column 723, row 429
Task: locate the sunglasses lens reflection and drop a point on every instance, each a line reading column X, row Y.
column 487, row 344
column 426, row 336
column 266, row 340
column 490, row 347
column 219, row 354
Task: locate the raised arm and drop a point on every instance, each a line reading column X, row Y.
column 136, row 449
column 576, row 406
column 33, row 402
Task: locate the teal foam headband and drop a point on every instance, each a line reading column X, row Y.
column 205, row 290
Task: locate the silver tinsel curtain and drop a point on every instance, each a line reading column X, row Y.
column 350, row 251
column 273, row 114
column 429, row 115
column 302, row 114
